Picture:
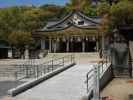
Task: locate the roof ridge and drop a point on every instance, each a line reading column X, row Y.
column 63, row 19
column 87, row 18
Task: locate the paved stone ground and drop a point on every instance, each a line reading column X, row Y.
column 119, row 89
column 6, row 85
column 68, row 85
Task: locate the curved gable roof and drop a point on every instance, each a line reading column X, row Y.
column 68, row 21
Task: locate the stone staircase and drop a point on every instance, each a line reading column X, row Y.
column 8, row 70
column 79, row 57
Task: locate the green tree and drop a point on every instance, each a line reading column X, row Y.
column 31, row 20
column 122, row 13
column 53, row 11
column 9, row 17
column 19, row 40
column 78, row 4
column 16, row 24
column 103, row 8
column 82, row 5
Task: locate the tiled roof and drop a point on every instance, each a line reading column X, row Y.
column 70, row 20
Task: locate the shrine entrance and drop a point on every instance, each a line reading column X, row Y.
column 90, row 46
column 68, row 45
column 76, row 46
column 62, row 47
column 74, row 33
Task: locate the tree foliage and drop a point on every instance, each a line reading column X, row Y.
column 17, row 23
column 103, row 9
column 122, row 13
column 79, row 4
column 20, row 39
column 117, row 15
column 82, row 5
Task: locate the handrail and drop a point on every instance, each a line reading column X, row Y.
column 94, row 72
column 88, row 78
column 48, row 66
column 33, row 68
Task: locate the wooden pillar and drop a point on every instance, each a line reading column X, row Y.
column 55, row 45
column 58, row 44
column 103, row 44
column 83, row 45
column 10, row 53
column 97, row 43
column 42, row 44
column 26, row 53
column 50, row 45
column 67, row 45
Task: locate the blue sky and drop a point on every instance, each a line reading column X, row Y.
column 7, row 3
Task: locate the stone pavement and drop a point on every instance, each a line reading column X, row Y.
column 119, row 89
column 6, row 85
column 68, row 85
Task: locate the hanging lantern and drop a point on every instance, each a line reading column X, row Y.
column 86, row 38
column 79, row 39
column 58, row 39
column 71, row 39
column 93, row 38
column 64, row 39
